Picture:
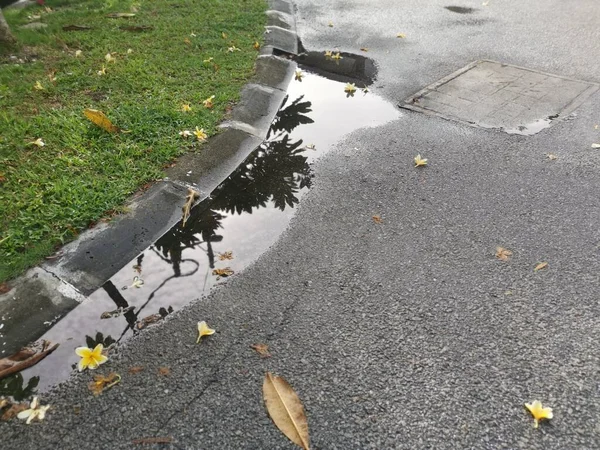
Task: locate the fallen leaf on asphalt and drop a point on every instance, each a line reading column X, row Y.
column 164, row 371
column 152, row 440
column 116, row 312
column 38, row 86
column 186, row 107
column 299, row 75
column 149, row 320
column 200, row 134
column 135, row 370
column 401, row 35
column 35, row 411
column 262, row 350
column 538, row 412
column 540, row 266
column 38, row 142
column 13, row 410
column 26, row 357
column 99, row 118
column 226, row 272
column 208, row 103
column 101, row 383
column 420, row 161
column 90, row 359
column 120, row 15
column 225, row 256
column 595, row 145
column 551, row 156
column 110, row 58
column 377, row 219
column 189, row 201
column 364, row 49
column 286, row 410
column 203, row 330
column 76, row 28
column 503, row 254
column 350, row 89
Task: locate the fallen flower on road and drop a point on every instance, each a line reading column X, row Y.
column 203, row 330
column 595, row 145
column 337, row 56
column 299, row 75
column 286, row 409
column 330, row 24
column 223, row 272
column 401, row 35
column 137, row 283
column 90, row 359
column 35, row 411
column 420, row 161
column 540, row 266
column 538, row 412
column 551, row 156
column 364, row 49
column 349, row 89
column 328, row 54
column 503, row 254
column 225, row 256
column 109, row 58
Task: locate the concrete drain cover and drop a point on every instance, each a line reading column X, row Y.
column 492, row 95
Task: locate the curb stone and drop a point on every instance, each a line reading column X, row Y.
column 44, row 294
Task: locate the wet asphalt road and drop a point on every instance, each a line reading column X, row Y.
column 407, row 334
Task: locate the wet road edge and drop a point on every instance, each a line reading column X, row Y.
column 47, row 292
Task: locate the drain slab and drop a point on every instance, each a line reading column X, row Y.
column 488, row 94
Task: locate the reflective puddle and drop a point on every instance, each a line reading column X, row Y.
column 241, row 219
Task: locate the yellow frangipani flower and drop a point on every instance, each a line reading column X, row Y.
column 90, row 359
column 102, row 71
column 137, row 282
column 38, row 86
column 200, row 134
column 35, row 411
column 39, row 142
column 185, row 133
column 401, row 35
column 110, row 58
column 233, row 48
column 206, row 61
column 420, row 161
column 350, row 88
column 256, row 45
column 538, row 412
column 204, row 330
column 186, row 107
column 299, row 75
column 337, row 56
column 129, row 51
column 328, row 53
column 208, row 103
column 78, row 53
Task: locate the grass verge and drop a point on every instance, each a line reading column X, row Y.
column 169, row 54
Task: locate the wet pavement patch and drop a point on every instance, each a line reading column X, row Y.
column 512, row 99
column 460, row 9
column 225, row 233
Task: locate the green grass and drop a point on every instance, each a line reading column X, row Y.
column 83, row 174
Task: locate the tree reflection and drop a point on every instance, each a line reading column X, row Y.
column 274, row 173
column 13, row 386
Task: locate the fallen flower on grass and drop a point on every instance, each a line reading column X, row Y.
column 99, row 118
column 349, row 89
column 420, row 161
column 503, row 254
column 102, row 71
column 200, row 134
column 232, row 49
column 541, row 266
column 261, row 349
column 187, row 41
column 203, row 330
column 78, row 53
column 90, row 359
column 256, row 45
column 225, row 256
column 538, row 412
column 186, row 107
column 110, row 58
column 185, row 133
column 39, row 142
column 35, row 411
column 208, row 103
column 299, row 75
column 38, row 86
column 129, row 51
column 209, row 60
column 101, row 383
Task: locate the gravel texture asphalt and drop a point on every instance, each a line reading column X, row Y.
column 407, row 334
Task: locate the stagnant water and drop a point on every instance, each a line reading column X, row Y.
column 245, row 215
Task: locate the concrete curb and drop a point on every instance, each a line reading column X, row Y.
column 46, row 293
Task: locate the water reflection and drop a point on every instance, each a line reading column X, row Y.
column 244, row 216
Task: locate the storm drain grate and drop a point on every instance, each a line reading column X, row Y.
column 489, row 94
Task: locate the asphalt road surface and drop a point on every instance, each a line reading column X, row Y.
column 410, row 333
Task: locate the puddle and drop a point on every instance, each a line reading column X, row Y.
column 245, row 215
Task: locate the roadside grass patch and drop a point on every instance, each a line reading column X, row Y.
column 174, row 52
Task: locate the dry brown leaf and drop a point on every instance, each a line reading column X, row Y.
column 149, row 320
column 4, row 288
column 102, row 383
column 262, row 350
column 26, row 357
column 14, row 409
column 503, row 254
column 99, row 118
column 164, row 371
column 225, row 255
column 189, row 202
column 541, row 266
column 377, row 219
column 286, row 410
column 135, row 369
column 223, row 272
column 153, row 440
